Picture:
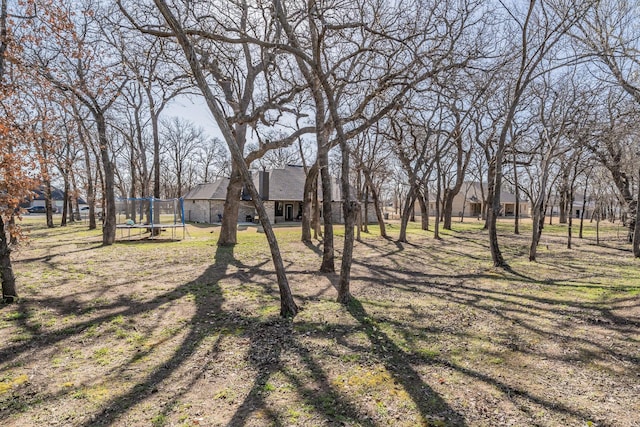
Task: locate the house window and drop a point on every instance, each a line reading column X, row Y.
column 279, row 209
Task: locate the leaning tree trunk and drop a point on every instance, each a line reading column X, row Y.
column 9, row 292
column 288, row 307
column 535, row 226
column 376, row 204
column 406, row 214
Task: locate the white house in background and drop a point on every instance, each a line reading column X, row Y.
column 280, row 189
column 57, row 199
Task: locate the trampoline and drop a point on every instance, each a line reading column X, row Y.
column 138, row 217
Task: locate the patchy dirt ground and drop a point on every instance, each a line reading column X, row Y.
column 187, row 334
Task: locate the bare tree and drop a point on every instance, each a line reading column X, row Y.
column 288, row 307
column 213, row 160
column 414, row 140
column 537, row 32
column 555, row 112
column 359, row 65
column 181, row 139
column 609, row 33
column 77, row 62
column 371, row 155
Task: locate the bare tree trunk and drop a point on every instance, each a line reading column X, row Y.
column 229, row 227
column 598, row 228
column 406, row 214
column 447, row 209
column 536, row 225
column 494, row 210
column 328, row 262
column 424, row 212
column 412, row 216
column 564, row 198
column 462, row 162
column 132, row 190
column 91, row 198
column 69, row 202
column 307, row 202
column 75, row 215
column 487, row 202
column 436, row 226
column 570, row 222
column 584, row 206
column 65, row 200
column 48, row 203
column 636, row 225
column 109, row 227
column 13, row 238
column 376, row 204
column 359, row 211
column 288, row 307
column 9, row 292
column 315, row 212
column 155, row 132
column 350, row 209
column 516, row 225
column 365, row 224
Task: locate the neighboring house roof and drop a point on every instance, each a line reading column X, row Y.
column 472, row 189
column 56, row 194
column 216, row 190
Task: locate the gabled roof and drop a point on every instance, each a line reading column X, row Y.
column 216, row 190
column 56, row 194
column 472, row 190
column 287, row 184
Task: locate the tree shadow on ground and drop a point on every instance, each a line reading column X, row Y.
column 430, row 404
column 271, row 344
column 315, row 248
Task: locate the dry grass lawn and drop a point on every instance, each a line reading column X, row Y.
column 183, row 333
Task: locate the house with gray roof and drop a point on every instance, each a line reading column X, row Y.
column 57, row 198
column 282, row 191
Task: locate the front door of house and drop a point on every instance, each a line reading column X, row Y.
column 288, row 212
